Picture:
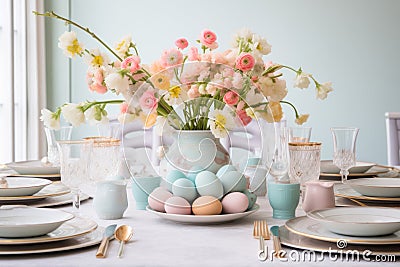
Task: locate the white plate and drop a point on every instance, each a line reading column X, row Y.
column 310, row 228
column 327, row 166
column 21, row 186
column 204, row 219
column 293, row 240
column 32, row 167
column 83, row 241
column 78, row 226
column 359, row 221
column 376, row 187
column 57, row 201
column 24, row 221
column 344, row 190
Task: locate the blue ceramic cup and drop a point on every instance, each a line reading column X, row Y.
column 141, row 189
column 283, row 199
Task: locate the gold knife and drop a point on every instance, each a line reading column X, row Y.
column 108, row 234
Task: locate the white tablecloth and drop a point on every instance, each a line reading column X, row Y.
column 158, row 242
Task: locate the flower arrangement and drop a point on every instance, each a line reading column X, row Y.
column 187, row 88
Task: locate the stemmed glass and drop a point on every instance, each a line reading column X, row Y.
column 280, row 161
column 75, row 166
column 344, row 146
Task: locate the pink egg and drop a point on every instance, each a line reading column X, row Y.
column 158, row 197
column 235, row 202
column 177, row 205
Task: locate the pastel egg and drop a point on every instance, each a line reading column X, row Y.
column 172, row 176
column 224, row 169
column 177, row 205
column 208, row 184
column 193, row 173
column 233, row 181
column 252, row 198
column 207, row 205
column 235, row 202
column 158, row 197
column 184, row 188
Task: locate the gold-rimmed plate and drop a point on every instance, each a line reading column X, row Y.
column 33, row 167
column 343, row 190
column 76, row 227
column 52, row 190
column 290, row 239
column 307, row 227
column 83, row 241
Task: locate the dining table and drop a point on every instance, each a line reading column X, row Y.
column 160, row 242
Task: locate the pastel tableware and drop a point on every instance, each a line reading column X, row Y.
column 21, row 186
column 33, row 167
column 318, row 195
column 327, row 166
column 283, row 199
column 359, row 221
column 142, row 188
column 24, row 221
column 110, row 200
column 376, row 187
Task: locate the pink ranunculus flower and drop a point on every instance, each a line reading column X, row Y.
column 193, row 92
column 95, row 80
column 208, row 38
column 131, row 62
column 98, row 88
column 193, row 54
column 182, row 43
column 231, row 98
column 244, row 118
column 245, row 62
column 171, row 57
column 124, row 107
column 148, row 101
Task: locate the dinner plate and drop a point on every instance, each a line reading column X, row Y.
column 290, row 239
column 21, row 186
column 32, row 167
column 327, row 166
column 204, row 219
column 310, row 228
column 359, row 221
column 78, row 226
column 52, row 177
column 57, row 201
column 52, row 190
column 86, row 240
column 374, row 171
column 344, row 190
column 376, row 187
column 24, row 221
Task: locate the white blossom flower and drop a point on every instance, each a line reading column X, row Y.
column 50, row 119
column 244, row 34
column 302, row 119
column 70, row 44
column 122, row 47
column 221, row 121
column 323, row 90
column 260, row 45
column 302, row 80
column 126, row 117
column 118, row 82
column 95, row 115
column 96, row 58
column 274, row 89
column 73, row 114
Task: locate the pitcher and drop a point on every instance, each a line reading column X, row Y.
column 110, row 201
column 318, row 195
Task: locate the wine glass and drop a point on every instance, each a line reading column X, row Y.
column 344, row 146
column 75, row 166
column 299, row 134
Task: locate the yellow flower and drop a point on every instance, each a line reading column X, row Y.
column 75, row 48
column 70, row 44
column 97, row 60
column 161, row 81
column 148, row 119
column 174, row 91
column 302, row 119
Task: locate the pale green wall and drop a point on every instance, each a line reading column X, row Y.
column 355, row 44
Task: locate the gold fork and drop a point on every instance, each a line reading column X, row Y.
column 260, row 231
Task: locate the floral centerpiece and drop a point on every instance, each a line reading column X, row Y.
column 190, row 87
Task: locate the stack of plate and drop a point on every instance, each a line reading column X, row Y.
column 362, row 169
column 345, row 229
column 35, row 168
column 26, row 230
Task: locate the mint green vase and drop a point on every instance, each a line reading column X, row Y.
column 198, row 149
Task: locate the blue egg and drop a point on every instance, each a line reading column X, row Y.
column 252, row 198
column 224, row 169
column 208, row 184
column 184, row 188
column 172, row 176
column 193, row 173
column 233, row 181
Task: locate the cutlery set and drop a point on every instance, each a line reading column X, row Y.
column 261, row 231
column 123, row 234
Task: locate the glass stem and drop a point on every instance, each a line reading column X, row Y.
column 344, row 174
column 76, row 201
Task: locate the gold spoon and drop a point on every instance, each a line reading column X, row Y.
column 123, row 233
